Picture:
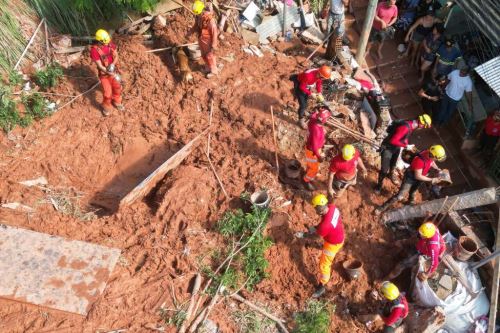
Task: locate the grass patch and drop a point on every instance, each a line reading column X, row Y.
column 251, row 322
column 315, row 318
column 248, row 229
column 49, row 76
column 36, row 106
column 15, row 78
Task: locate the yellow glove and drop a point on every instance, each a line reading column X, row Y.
column 320, row 98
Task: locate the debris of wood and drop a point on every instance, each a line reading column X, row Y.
column 155, row 327
column 256, row 51
column 62, row 41
column 18, row 205
column 319, row 46
column 33, row 182
column 159, row 22
column 69, row 49
column 495, row 286
column 250, row 37
column 313, row 35
column 170, row 47
column 163, row 7
column 466, row 200
column 217, row 176
column 275, row 144
column 128, row 27
column 425, row 320
column 263, row 312
column 174, row 161
column 192, row 303
column 452, row 265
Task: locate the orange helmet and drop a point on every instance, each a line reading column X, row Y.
column 325, row 72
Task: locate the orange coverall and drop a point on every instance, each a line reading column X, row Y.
column 206, row 27
column 112, row 89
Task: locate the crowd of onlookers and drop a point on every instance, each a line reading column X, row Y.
column 443, row 65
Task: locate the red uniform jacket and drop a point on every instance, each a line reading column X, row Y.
column 103, row 53
column 492, row 127
column 308, row 78
column 399, row 310
column 331, row 227
column 401, row 134
column 433, row 248
column 422, row 162
column 316, row 138
column 344, row 170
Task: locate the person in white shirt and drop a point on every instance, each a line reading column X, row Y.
column 459, row 82
column 335, row 16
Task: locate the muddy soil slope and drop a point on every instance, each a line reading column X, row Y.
column 94, row 161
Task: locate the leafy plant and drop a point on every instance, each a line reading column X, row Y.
column 48, row 77
column 315, row 318
column 9, row 116
column 173, row 317
column 36, row 106
column 15, row 78
column 248, row 228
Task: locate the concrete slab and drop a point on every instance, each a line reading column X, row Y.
column 51, row 271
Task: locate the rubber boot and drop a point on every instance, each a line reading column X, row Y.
column 320, row 290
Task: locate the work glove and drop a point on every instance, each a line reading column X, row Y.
column 320, row 98
column 111, row 68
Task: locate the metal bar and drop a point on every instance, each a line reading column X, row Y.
column 486, row 260
column 494, row 287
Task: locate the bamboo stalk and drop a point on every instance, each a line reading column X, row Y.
column 47, row 47
column 275, row 145
column 192, row 303
column 217, row 176
column 183, row 5
column 440, row 208
column 29, row 43
column 83, row 93
column 170, row 47
column 353, row 133
column 210, row 124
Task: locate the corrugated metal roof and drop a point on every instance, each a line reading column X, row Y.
column 490, row 72
column 485, row 14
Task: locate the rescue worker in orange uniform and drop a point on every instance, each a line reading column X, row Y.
column 302, row 84
column 396, row 309
column 344, row 170
column 314, row 144
column 206, row 27
column 430, row 244
column 105, row 56
column 331, row 230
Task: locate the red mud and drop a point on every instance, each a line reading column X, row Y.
column 163, row 237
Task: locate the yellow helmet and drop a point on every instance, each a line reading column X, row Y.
column 437, row 151
column 319, row 200
column 348, row 152
column 198, row 7
column 102, row 36
column 425, row 120
column 427, row 230
column 389, row 290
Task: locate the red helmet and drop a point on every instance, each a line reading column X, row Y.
column 322, row 114
column 325, row 72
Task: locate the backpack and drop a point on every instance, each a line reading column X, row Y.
column 395, row 124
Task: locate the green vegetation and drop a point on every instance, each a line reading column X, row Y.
column 248, row 229
column 15, row 78
column 315, row 318
column 35, row 106
column 49, row 76
column 9, row 117
column 251, row 322
column 82, row 17
column 173, row 317
column 317, row 6
column 12, row 41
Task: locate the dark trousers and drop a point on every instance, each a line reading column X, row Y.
column 389, row 156
column 488, row 143
column 448, row 107
column 301, row 96
column 410, row 185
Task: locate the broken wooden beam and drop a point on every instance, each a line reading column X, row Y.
column 494, row 287
column 466, row 200
column 147, row 184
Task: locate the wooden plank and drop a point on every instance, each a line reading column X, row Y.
column 70, row 49
column 147, row 184
column 466, row 200
column 494, row 289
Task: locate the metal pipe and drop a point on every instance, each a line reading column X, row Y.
column 365, row 33
column 484, row 261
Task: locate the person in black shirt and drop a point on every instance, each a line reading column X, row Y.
column 431, row 93
column 426, row 6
